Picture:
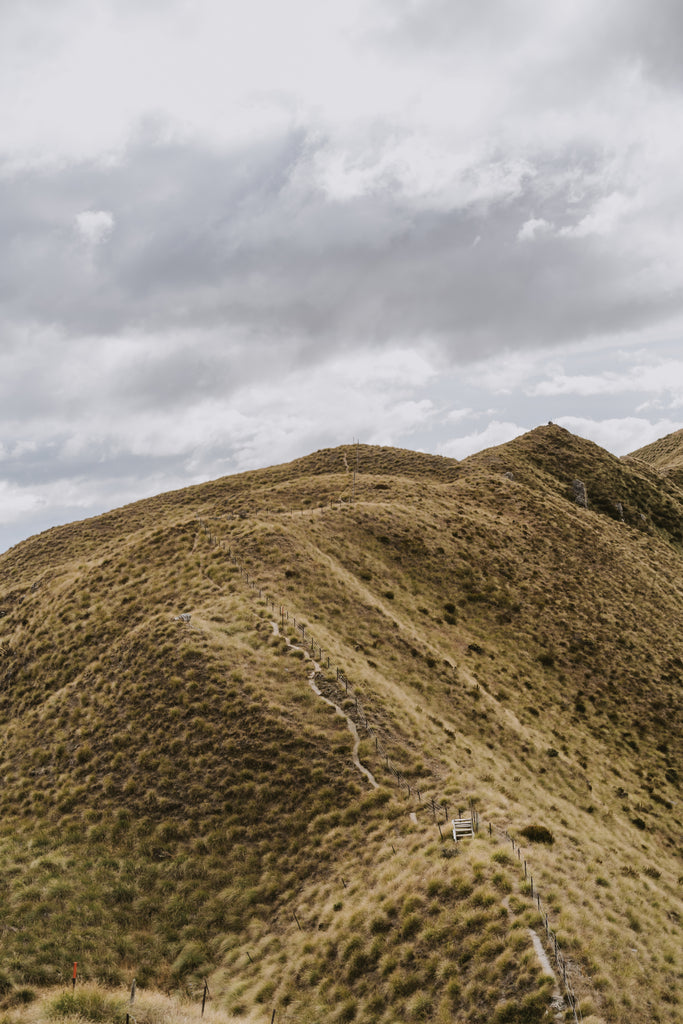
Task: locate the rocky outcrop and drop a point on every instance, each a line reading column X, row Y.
column 579, row 493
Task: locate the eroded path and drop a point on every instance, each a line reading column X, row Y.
column 558, row 1005
column 340, row 711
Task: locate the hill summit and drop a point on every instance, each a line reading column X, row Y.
column 238, row 720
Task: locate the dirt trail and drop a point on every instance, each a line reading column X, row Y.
column 349, row 721
column 558, row 1004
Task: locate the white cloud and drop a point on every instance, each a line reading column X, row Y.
column 619, row 436
column 95, row 225
column 456, row 415
column 16, row 501
column 658, row 377
column 533, row 227
column 604, row 218
column 493, row 434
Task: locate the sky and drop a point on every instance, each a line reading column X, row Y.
column 232, row 234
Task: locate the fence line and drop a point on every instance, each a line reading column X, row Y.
column 340, row 677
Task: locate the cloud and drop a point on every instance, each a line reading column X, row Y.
column 661, row 378
column 603, row 218
column 495, row 433
column 533, row 227
column 249, row 241
column 252, row 243
column 94, row 225
column 619, row 436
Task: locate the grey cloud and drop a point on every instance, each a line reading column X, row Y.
column 248, row 244
column 648, row 33
column 604, row 36
column 49, row 462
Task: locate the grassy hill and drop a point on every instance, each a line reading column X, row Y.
column 179, row 805
column 664, row 454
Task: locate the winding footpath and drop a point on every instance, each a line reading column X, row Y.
column 340, row 711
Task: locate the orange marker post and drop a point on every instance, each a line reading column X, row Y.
column 73, row 981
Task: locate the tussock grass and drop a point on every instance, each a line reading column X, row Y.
column 173, row 793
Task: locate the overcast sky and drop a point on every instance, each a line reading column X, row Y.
column 231, row 234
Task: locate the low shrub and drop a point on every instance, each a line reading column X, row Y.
column 88, row 1003
column 538, row 834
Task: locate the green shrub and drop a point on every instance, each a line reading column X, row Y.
column 89, row 1003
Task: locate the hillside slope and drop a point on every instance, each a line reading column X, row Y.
column 179, row 804
column 664, row 454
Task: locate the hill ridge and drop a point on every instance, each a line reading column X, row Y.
column 514, row 646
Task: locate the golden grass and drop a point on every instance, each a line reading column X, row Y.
column 182, row 782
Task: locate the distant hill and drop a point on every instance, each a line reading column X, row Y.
column 665, row 455
column 503, row 633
